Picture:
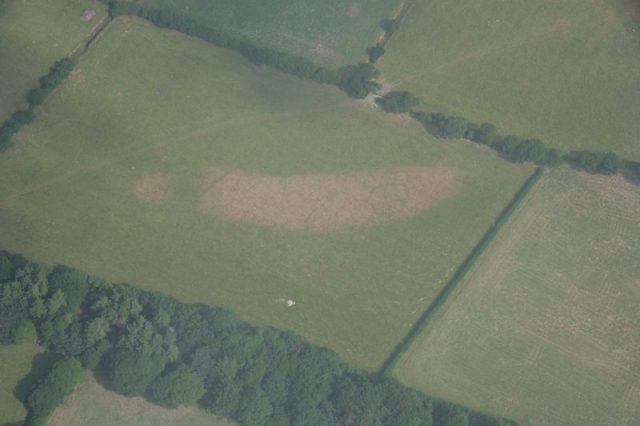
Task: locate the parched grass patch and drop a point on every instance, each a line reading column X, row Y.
column 331, row 33
column 327, row 202
column 152, row 188
column 564, row 71
column 15, row 364
column 158, row 112
column 91, row 404
column 544, row 329
column 33, row 35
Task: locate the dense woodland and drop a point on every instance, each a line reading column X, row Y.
column 144, row 343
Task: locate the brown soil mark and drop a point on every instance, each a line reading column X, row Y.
column 77, row 76
column 326, row 202
column 354, row 11
column 151, row 188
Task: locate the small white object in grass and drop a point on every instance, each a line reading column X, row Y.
column 290, row 302
column 88, row 15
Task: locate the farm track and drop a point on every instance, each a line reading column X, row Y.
column 421, row 324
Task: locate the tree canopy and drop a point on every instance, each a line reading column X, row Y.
column 144, row 343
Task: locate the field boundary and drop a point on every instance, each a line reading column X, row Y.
column 48, row 84
column 111, row 360
column 398, row 18
column 423, row 321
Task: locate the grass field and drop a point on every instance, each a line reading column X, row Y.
column 565, row 71
column 123, row 172
column 544, row 329
column 91, row 404
column 331, row 33
column 33, row 35
column 15, row 364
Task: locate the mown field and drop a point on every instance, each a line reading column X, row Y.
column 91, row 404
column 15, row 363
column 565, row 71
column 119, row 177
column 33, row 35
column 544, row 329
column 331, row 33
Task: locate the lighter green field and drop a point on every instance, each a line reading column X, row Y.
column 544, row 329
column 565, row 71
column 330, row 32
column 33, row 35
column 150, row 103
column 91, row 404
column 15, row 363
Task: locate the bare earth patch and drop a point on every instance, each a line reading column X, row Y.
column 326, row 202
column 77, row 76
column 152, row 188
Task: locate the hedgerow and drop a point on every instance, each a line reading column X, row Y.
column 56, row 75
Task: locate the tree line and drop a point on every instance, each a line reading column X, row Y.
column 359, row 80
column 56, row 75
column 355, row 80
column 141, row 343
column 511, row 148
column 518, row 149
column 422, row 322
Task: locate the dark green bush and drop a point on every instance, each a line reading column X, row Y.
column 375, row 52
column 389, row 25
column 358, row 81
column 23, row 331
column 6, row 268
column 397, row 102
column 180, row 386
column 52, row 390
column 130, row 373
column 22, row 118
column 606, row 163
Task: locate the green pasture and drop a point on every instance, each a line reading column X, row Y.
column 33, row 35
column 15, row 364
column 544, row 328
column 564, row 71
column 91, row 404
column 146, row 102
column 331, row 32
